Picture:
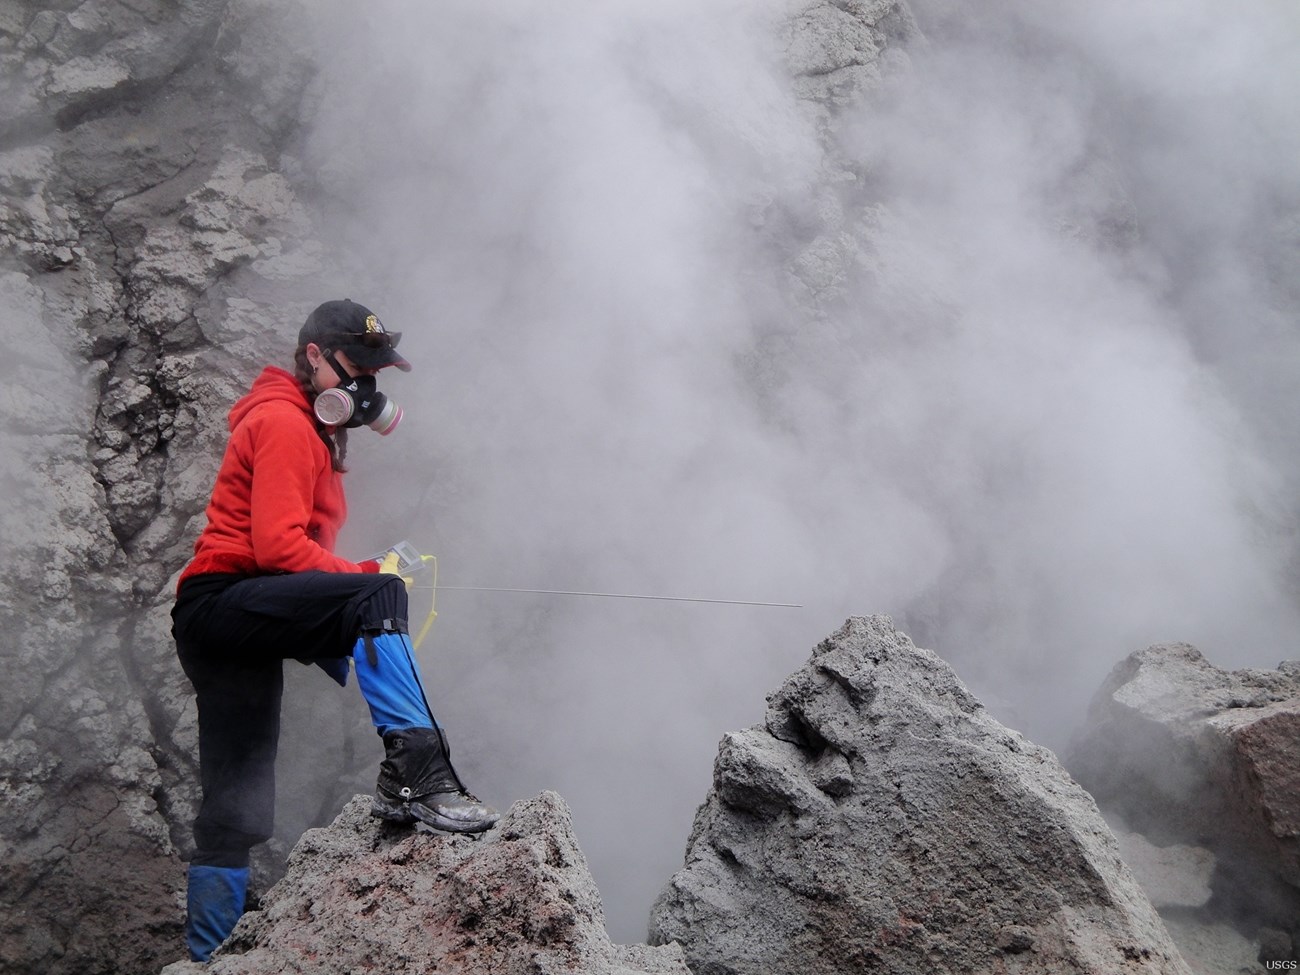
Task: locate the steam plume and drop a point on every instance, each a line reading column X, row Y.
column 1007, row 352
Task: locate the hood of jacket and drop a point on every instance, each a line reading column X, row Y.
column 274, row 385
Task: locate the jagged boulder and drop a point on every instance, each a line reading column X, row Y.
column 1187, row 753
column 880, row 820
column 361, row 896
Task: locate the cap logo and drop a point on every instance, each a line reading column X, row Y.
column 374, row 326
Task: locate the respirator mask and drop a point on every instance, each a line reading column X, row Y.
column 356, row 401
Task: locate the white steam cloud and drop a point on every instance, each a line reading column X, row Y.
column 1010, row 355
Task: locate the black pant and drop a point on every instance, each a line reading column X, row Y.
column 233, row 634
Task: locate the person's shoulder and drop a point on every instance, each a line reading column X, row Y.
column 278, row 418
column 279, row 411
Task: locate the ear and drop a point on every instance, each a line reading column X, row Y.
column 313, row 354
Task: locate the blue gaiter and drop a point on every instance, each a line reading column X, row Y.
column 390, row 682
column 214, row 904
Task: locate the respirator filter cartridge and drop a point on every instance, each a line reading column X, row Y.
column 337, row 407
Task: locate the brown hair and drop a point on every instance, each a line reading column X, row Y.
column 338, row 443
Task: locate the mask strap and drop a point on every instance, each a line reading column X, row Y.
column 344, row 378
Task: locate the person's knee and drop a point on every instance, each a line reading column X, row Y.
column 385, row 609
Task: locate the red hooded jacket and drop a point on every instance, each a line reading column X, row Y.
column 278, row 503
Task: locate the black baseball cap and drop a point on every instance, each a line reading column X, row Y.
column 353, row 329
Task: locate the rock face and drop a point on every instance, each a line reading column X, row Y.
column 144, row 226
column 880, row 820
column 360, row 896
column 1186, row 753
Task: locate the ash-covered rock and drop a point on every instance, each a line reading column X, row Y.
column 360, row 896
column 880, row 820
column 837, row 50
column 1190, row 754
column 143, row 219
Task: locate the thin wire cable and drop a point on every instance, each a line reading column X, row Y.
column 613, row 595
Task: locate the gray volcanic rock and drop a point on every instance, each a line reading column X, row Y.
column 838, row 50
column 881, row 820
column 1191, row 754
column 143, row 223
column 1175, row 876
column 361, row 896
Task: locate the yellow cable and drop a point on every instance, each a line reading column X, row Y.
column 433, row 601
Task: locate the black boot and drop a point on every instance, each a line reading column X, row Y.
column 417, row 783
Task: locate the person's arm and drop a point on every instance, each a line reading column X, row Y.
column 285, row 464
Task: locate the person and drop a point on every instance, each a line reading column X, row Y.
column 264, row 586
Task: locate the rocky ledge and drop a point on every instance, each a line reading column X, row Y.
column 362, row 896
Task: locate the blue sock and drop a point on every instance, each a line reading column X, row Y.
column 214, row 904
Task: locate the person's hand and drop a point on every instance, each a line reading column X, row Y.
column 388, row 566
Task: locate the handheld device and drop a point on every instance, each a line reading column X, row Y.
column 409, row 559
